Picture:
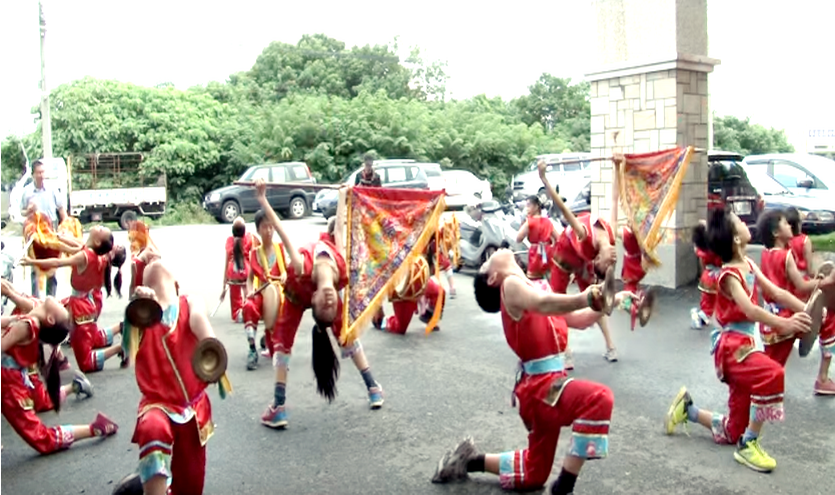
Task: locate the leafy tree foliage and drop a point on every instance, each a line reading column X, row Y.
column 734, row 134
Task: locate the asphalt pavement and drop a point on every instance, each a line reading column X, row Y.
column 438, row 389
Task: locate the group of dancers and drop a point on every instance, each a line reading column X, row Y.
column 276, row 282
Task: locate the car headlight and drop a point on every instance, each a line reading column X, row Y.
column 214, row 197
column 818, row 216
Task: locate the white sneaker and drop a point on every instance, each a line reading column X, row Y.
column 611, row 355
column 695, row 319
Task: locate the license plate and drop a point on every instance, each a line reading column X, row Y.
column 742, row 208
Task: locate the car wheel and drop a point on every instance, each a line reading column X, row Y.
column 229, row 211
column 298, row 207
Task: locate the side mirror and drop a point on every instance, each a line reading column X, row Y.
column 806, row 183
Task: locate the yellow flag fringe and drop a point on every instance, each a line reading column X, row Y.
column 439, row 304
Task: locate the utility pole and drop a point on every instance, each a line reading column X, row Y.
column 46, row 121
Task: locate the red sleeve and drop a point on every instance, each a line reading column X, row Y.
column 257, row 270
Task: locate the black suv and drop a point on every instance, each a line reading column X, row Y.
column 397, row 174
column 728, row 186
column 228, row 202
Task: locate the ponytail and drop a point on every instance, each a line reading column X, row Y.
column 50, row 371
column 117, row 259
column 325, row 363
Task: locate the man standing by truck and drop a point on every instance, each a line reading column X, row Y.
column 50, row 203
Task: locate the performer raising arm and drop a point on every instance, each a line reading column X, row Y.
column 536, row 324
column 755, row 381
column 584, row 250
column 315, row 275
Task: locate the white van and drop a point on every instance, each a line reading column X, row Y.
column 803, row 174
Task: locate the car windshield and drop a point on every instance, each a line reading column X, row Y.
column 767, row 185
column 433, row 170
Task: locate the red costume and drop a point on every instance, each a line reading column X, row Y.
column 796, row 245
column 139, row 271
column 545, row 407
column 237, row 278
column 633, row 269
column 755, row 381
column 405, row 309
column 17, row 394
column 84, row 305
column 539, row 235
column 708, row 281
column 174, row 421
column 298, row 294
column 573, row 257
column 253, row 308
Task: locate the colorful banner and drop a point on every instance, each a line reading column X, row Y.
column 139, row 236
column 649, row 187
column 387, row 228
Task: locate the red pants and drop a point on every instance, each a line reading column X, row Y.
column 88, row 343
column 236, row 301
column 560, row 280
column 632, row 272
column 585, row 406
column 403, row 312
column 253, row 313
column 39, row 395
column 18, row 409
column 781, row 351
column 755, row 383
column 170, row 449
column 289, row 318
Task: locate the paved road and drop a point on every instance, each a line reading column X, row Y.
column 438, row 389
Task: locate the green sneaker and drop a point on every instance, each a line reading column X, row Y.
column 752, row 455
column 677, row 414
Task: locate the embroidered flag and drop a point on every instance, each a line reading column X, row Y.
column 649, row 187
column 46, row 244
column 387, row 229
column 140, row 237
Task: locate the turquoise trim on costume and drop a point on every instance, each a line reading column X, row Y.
column 588, row 446
column 154, row 464
column 170, row 314
column 506, row 467
column 549, row 364
column 156, row 443
column 281, row 359
column 108, row 336
column 747, row 328
column 98, row 357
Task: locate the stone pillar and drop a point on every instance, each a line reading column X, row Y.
column 648, row 93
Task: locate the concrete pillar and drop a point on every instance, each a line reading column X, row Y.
column 649, row 92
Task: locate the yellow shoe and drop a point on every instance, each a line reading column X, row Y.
column 677, row 414
column 752, row 455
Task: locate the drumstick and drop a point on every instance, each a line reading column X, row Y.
column 222, row 297
column 260, row 290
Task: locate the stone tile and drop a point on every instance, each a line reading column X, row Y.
column 615, row 93
column 593, row 89
column 613, row 113
column 667, row 137
column 625, row 80
column 654, row 144
column 606, row 174
column 641, row 146
column 703, row 88
column 599, row 105
column 641, row 135
column 694, row 82
column 671, row 73
column 644, row 120
column 595, row 172
column 597, row 189
column 680, row 90
column 670, row 102
column 632, row 91
column 624, row 105
column 597, row 141
column 598, row 124
column 659, row 114
column 629, row 128
column 642, row 93
column 664, row 88
column 652, row 76
column 602, row 88
column 649, row 93
column 692, row 105
column 670, row 117
column 701, row 132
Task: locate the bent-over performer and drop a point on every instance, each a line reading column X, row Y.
column 542, row 234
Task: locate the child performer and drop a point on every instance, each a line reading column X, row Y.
column 542, row 234
column 236, row 268
column 405, row 308
column 535, row 322
column 267, row 264
column 174, row 421
column 778, row 265
column 711, row 265
column 22, row 337
column 800, row 244
column 315, row 274
column 755, row 381
column 635, row 263
column 584, row 250
column 91, row 268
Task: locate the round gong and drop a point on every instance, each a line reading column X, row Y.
column 646, row 307
column 143, row 312
column 209, row 360
column 814, row 308
column 609, row 291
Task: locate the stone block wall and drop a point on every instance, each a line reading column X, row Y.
column 650, row 112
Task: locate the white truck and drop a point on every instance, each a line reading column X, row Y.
column 99, row 187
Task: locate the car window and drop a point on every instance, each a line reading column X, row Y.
column 765, row 184
column 257, row 173
column 433, row 171
column 553, row 167
column 396, row 174
column 789, row 175
column 279, row 174
column 571, row 167
column 299, row 172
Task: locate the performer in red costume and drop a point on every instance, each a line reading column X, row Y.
column 22, row 336
column 800, row 244
column 174, row 420
column 91, row 268
column 755, row 381
column 584, row 251
column 541, row 234
column 407, row 304
column 779, row 266
column 535, row 322
column 236, row 268
column 315, row 275
column 711, row 265
column 266, row 264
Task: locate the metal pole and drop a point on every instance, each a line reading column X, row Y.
column 46, row 122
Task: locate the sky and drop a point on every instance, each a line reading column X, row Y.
column 773, row 68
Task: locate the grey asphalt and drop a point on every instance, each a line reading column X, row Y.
column 438, row 389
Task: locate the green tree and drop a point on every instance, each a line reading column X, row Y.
column 560, row 107
column 12, row 158
column 740, row 136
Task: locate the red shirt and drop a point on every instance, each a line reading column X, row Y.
column 796, row 245
column 574, row 254
column 26, row 355
column 727, row 310
column 255, row 262
column 299, row 288
column 93, row 275
column 246, row 247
